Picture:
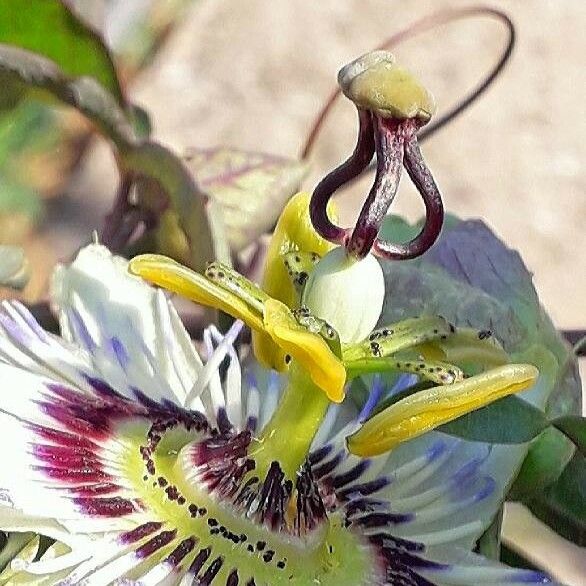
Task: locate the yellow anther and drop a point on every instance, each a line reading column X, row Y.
column 171, row 275
column 294, row 232
column 428, row 409
column 263, row 314
column 310, row 350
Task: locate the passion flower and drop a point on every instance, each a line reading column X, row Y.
column 148, row 465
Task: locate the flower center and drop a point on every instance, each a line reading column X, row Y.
column 272, row 529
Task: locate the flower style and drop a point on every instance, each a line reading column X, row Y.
column 392, row 106
column 144, row 463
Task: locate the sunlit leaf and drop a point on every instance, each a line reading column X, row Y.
column 201, row 224
column 83, row 93
column 195, row 213
column 545, row 461
column 574, row 427
column 251, row 188
column 51, row 29
column 562, row 506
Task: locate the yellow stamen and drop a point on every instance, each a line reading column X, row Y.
column 171, row 275
column 428, row 409
column 263, row 314
column 293, row 232
column 310, row 350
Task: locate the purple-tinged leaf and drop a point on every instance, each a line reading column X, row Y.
column 251, row 188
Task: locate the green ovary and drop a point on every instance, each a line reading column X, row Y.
column 329, row 555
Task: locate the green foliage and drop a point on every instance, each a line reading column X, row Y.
column 471, row 278
column 545, row 461
column 562, row 505
column 251, row 188
column 574, row 427
column 70, row 43
column 507, row 421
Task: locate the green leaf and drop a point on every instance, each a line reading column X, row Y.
column 250, row 188
column 163, row 171
column 507, row 421
column 574, row 427
column 16, row 199
column 473, row 279
column 51, row 29
column 546, row 459
column 84, row 93
column 562, row 506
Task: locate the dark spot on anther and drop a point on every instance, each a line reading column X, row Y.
column 268, row 556
column 287, row 359
column 260, row 545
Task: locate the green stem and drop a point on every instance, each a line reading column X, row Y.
column 288, row 435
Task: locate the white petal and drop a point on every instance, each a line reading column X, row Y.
column 25, row 344
column 54, row 453
column 133, row 334
column 464, row 568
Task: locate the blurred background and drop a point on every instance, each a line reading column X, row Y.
column 254, row 74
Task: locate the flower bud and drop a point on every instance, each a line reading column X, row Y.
column 347, row 293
